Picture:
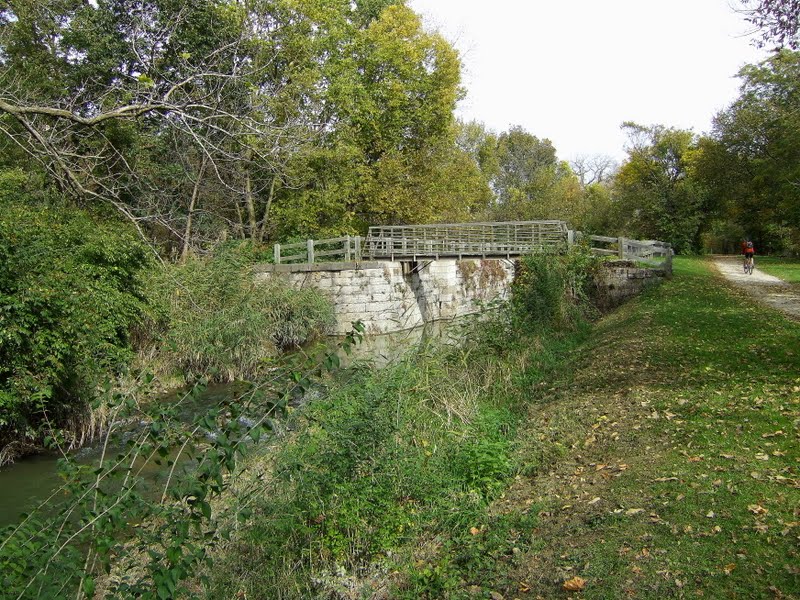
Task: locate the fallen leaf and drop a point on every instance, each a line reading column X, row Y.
column 663, row 479
column 576, row 584
column 762, row 456
column 634, row 511
column 474, row 530
column 757, row 509
column 594, row 501
column 728, row 569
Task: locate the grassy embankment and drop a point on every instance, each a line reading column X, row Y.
column 786, row 268
column 682, row 478
column 656, row 459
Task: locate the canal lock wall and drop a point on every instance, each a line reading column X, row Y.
column 394, row 296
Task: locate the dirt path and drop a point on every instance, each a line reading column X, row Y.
column 767, row 289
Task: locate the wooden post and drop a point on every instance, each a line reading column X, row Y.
column 310, row 248
column 358, row 248
column 621, row 242
column 347, row 249
column 276, row 250
column 570, row 237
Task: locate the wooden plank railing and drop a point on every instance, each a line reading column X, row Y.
column 465, row 239
column 345, row 248
column 468, row 240
column 652, row 252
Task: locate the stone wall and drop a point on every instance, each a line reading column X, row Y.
column 620, row 279
column 394, row 296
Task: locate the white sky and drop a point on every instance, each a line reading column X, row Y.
column 574, row 70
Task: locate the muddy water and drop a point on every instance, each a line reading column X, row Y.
column 32, row 480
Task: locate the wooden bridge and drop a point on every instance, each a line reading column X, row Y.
column 464, row 240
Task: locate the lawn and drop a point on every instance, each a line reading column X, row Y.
column 680, row 475
column 787, row 269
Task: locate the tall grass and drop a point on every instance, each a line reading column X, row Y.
column 216, row 321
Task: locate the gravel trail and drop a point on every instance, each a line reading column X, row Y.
column 767, row 289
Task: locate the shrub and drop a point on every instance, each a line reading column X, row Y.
column 70, row 290
column 551, row 289
column 217, row 321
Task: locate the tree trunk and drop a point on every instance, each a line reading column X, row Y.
column 248, row 198
column 187, row 233
column 265, row 218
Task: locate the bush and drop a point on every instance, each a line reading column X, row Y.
column 70, row 291
column 217, row 321
column 551, row 290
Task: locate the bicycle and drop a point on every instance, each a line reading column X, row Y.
column 749, row 264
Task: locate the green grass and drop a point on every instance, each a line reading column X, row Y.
column 656, row 457
column 787, row 269
column 387, row 483
column 708, row 502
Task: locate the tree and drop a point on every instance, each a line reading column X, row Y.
column 530, row 182
column 389, row 99
column 207, row 119
column 752, row 161
column 654, row 190
column 593, row 169
column 120, row 78
column 778, row 21
column 480, row 144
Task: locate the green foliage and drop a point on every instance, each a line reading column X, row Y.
column 751, row 162
column 658, row 197
column 330, row 114
column 484, row 461
column 371, row 482
column 116, row 529
column 552, row 290
column 218, row 321
column 70, row 292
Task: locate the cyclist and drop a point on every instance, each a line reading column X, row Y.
column 749, row 250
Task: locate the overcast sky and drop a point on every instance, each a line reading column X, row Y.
column 574, row 70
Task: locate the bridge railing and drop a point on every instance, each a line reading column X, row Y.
column 345, row 248
column 470, row 240
column 465, row 239
column 652, row 252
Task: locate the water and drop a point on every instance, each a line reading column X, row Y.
column 381, row 350
column 31, row 480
